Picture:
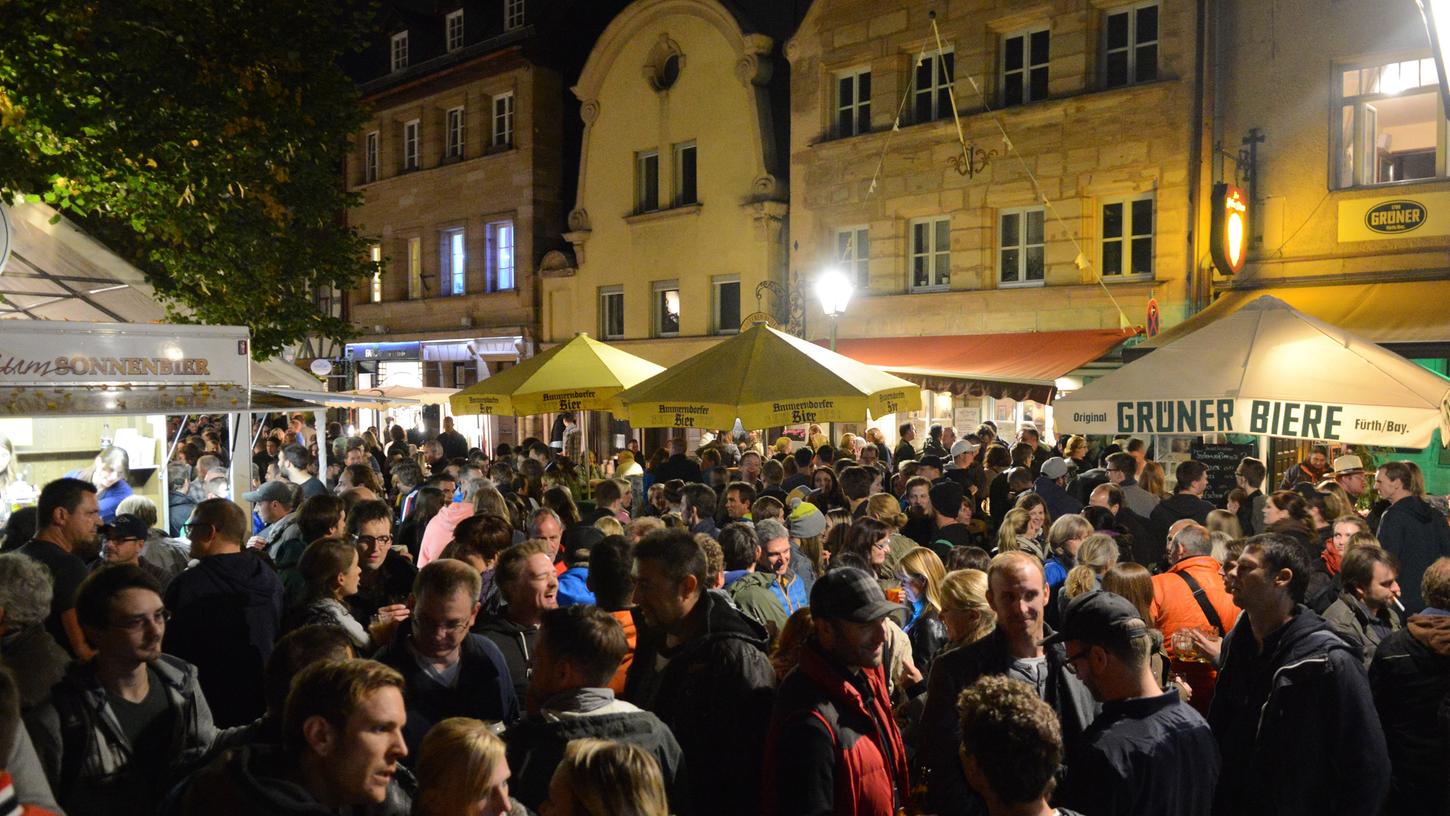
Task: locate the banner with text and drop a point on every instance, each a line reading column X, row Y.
column 46, row 353
column 1420, row 215
column 686, row 414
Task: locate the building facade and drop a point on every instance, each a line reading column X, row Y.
column 992, row 273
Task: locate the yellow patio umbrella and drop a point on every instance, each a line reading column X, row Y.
column 764, row 377
column 580, row 375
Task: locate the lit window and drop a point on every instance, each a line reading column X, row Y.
column 513, row 14
column 1130, row 45
column 1022, row 251
column 452, row 261
column 931, row 257
column 727, row 305
column 667, row 308
column 611, row 313
column 370, row 157
column 685, row 181
column 1390, row 124
column 1024, row 67
column 931, row 86
column 853, row 253
column 853, row 102
column 503, row 120
column 415, row 268
column 375, row 291
column 399, row 51
column 453, row 25
column 410, row 145
column 454, row 148
column 1128, row 238
column 501, row 261
column 646, row 181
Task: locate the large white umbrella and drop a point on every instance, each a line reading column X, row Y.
column 1267, row 370
column 389, row 396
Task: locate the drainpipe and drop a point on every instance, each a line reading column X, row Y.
column 1195, row 289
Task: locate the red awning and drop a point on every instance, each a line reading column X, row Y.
column 1018, row 365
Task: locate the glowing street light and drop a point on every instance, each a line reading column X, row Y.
column 833, row 290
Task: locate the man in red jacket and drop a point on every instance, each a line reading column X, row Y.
column 833, row 745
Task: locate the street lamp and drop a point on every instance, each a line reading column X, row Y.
column 833, row 290
column 1437, row 25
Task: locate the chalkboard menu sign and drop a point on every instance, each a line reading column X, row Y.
column 1222, row 461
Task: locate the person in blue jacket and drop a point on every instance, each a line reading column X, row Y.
column 775, row 556
column 110, row 473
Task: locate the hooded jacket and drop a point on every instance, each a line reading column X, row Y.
column 228, row 609
column 574, row 586
column 1282, row 752
column 1410, row 678
column 87, row 756
column 1171, row 510
column 484, row 690
column 792, row 590
column 515, row 644
column 536, row 743
column 440, row 531
column 1356, row 624
column 254, row 780
column 954, row 670
column 1416, row 534
column 754, row 593
column 714, row 691
column 834, row 745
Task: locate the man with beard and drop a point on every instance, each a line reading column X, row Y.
column 70, row 518
column 123, row 727
column 920, row 521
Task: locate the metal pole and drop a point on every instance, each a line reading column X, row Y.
column 830, row 426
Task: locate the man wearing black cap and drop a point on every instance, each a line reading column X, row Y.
column 1148, row 751
column 931, row 467
column 125, row 537
column 834, row 746
column 949, row 505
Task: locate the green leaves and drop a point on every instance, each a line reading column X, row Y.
column 201, row 139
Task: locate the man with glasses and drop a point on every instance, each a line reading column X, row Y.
column 119, row 730
column 1148, row 752
column 1122, row 471
column 387, row 577
column 228, row 610
column 447, row 670
column 125, row 539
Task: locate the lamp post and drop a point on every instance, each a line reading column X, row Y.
column 1437, row 25
column 833, row 290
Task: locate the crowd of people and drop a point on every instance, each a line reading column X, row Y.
column 978, row 626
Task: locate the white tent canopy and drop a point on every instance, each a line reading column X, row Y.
column 1267, row 370
column 390, row 396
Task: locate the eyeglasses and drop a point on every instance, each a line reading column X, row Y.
column 189, row 526
column 883, row 544
column 124, row 540
column 1071, row 660
column 369, row 541
column 423, row 625
column 134, row 624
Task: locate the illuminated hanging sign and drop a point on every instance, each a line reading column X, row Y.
column 1230, row 232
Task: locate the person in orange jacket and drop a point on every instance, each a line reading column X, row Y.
column 1191, row 595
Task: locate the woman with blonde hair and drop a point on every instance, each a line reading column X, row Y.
column 1153, row 480
column 1039, row 520
column 921, row 575
column 965, row 612
column 1223, row 521
column 1063, row 541
column 1096, row 555
column 1012, row 535
column 462, row 769
column 885, row 508
column 603, row 778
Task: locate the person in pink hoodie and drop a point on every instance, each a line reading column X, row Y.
column 440, row 530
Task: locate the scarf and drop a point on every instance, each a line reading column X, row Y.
column 1331, row 559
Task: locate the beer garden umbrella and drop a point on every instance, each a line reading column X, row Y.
column 389, row 396
column 580, row 375
column 765, row 378
column 1267, row 370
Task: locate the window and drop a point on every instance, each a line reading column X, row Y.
column 410, row 145
column 452, row 261
column 415, row 268
column 646, row 181
column 399, row 51
column 853, row 253
column 501, row 262
column 453, row 27
column 1390, row 124
column 611, row 312
column 727, row 305
column 1130, row 45
column 370, row 157
column 513, row 14
column 853, row 102
column 1128, row 238
column 1022, row 251
column 328, row 300
column 1024, row 67
column 931, row 86
column 503, row 120
column 685, row 181
column 454, row 147
column 375, row 290
column 931, row 258
column 667, row 308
